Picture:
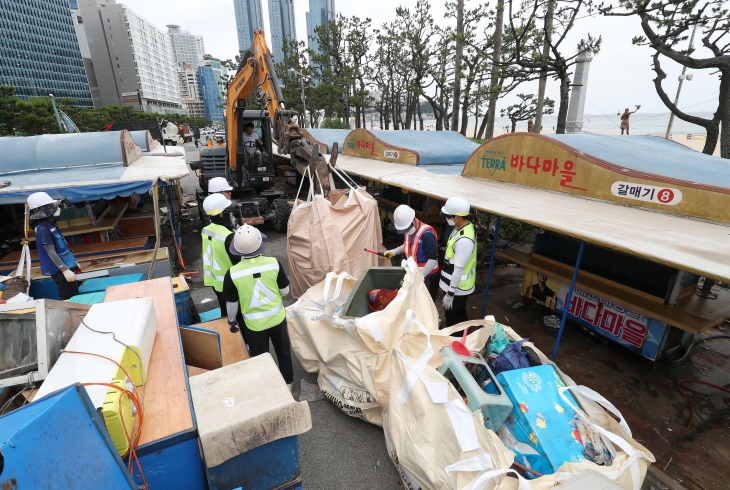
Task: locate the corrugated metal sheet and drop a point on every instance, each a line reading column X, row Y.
column 687, row 244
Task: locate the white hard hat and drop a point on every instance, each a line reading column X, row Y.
column 403, row 217
column 215, row 204
column 456, row 206
column 38, row 199
column 218, row 184
column 247, row 242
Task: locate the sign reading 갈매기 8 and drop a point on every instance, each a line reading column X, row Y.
column 647, row 193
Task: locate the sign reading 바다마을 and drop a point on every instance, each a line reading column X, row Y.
column 648, row 193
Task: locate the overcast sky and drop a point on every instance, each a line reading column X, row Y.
column 620, row 76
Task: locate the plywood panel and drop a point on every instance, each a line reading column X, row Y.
column 234, row 349
column 82, row 250
column 109, row 220
column 167, row 406
column 101, row 262
column 202, row 348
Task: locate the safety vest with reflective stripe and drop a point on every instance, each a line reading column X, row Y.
column 215, row 256
column 469, row 275
column 258, row 292
column 410, row 249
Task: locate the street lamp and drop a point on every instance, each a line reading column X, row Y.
column 682, row 77
column 304, row 103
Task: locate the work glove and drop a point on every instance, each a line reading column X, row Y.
column 233, row 326
column 388, row 255
column 447, row 301
column 69, row 275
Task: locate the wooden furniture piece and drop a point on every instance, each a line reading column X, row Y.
column 105, row 222
column 232, row 345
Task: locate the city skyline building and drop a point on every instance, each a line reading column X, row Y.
column 133, row 59
column 186, row 47
column 189, row 92
column 283, row 26
column 209, row 92
column 320, row 11
column 39, row 51
column 249, row 16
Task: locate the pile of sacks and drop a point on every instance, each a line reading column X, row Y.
column 433, row 438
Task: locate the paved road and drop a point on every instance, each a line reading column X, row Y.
column 340, row 452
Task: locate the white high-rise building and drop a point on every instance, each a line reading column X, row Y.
column 249, row 16
column 188, row 85
column 133, row 59
column 186, row 47
column 283, row 26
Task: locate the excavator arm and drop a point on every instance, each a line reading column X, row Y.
column 256, row 79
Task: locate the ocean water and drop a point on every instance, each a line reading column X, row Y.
column 641, row 123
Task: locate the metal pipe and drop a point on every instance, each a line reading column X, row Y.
column 566, row 305
column 491, row 265
column 156, row 206
column 679, row 88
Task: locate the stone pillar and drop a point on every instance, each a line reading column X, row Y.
column 576, row 107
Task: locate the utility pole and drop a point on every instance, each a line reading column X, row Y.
column 304, row 103
column 546, row 56
column 681, row 80
column 55, row 113
column 496, row 53
column 457, row 64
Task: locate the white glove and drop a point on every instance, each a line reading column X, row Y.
column 69, row 275
column 447, row 301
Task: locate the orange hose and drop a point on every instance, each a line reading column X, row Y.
column 691, row 380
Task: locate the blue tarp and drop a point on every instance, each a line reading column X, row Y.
column 140, row 137
column 60, row 150
column 652, row 155
column 329, row 136
column 434, row 147
column 83, row 193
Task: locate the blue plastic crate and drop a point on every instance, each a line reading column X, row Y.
column 209, row 316
column 541, row 418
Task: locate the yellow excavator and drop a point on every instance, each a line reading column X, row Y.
column 248, row 162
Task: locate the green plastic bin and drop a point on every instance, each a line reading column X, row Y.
column 356, row 305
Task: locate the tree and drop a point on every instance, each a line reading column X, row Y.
column 665, row 26
column 441, row 73
column 8, row 110
column 295, row 58
column 530, row 41
column 526, row 108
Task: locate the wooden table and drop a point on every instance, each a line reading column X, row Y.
column 692, row 314
column 82, row 250
column 167, row 408
column 105, row 222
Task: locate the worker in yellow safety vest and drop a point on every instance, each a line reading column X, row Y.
column 255, row 287
column 219, row 185
column 420, row 241
column 459, row 272
column 217, row 238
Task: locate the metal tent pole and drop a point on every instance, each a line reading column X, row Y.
column 566, row 305
column 491, row 265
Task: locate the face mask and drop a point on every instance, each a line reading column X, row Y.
column 411, row 231
column 450, row 222
column 58, row 212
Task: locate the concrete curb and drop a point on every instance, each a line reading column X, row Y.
column 655, row 475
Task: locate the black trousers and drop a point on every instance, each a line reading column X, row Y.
column 221, row 302
column 65, row 289
column 258, row 343
column 432, row 284
column 457, row 313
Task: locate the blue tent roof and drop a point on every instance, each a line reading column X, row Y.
column 329, row 136
column 651, row 155
column 60, row 150
column 434, row 147
column 140, row 137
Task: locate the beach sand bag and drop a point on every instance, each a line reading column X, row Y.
column 323, row 237
column 433, row 439
column 356, row 352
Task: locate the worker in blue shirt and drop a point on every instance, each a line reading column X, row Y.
column 54, row 255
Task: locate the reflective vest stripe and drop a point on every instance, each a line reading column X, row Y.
column 411, row 249
column 213, row 234
column 467, row 280
column 464, row 277
column 263, row 314
column 215, row 256
column 254, row 270
column 210, row 274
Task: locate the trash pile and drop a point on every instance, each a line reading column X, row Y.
column 454, row 421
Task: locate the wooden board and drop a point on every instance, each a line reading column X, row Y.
column 194, row 371
column 201, row 347
column 110, row 261
column 232, row 345
column 108, row 221
column 137, row 225
column 167, row 405
column 692, row 314
column 82, row 250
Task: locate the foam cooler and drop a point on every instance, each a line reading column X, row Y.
column 541, row 418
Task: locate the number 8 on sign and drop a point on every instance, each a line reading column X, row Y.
column 665, row 196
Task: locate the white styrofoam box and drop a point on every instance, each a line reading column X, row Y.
column 133, row 322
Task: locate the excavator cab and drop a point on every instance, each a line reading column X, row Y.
column 254, row 162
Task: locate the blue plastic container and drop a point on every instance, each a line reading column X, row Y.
column 541, row 418
column 101, row 283
column 59, row 442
